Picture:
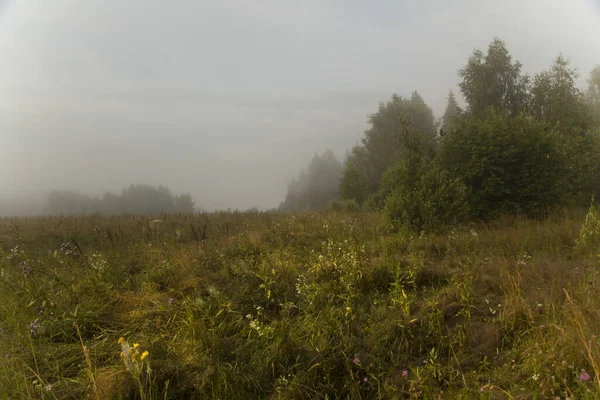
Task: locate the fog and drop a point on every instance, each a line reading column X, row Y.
column 228, row 99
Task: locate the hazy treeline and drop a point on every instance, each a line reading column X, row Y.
column 135, row 199
column 522, row 145
column 316, row 186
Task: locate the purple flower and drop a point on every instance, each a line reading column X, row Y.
column 584, row 376
column 356, row 360
column 366, row 380
column 405, row 373
column 424, row 361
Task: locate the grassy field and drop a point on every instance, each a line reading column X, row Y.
column 298, row 306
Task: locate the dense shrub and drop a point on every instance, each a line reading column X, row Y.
column 511, row 165
column 581, row 152
column 425, row 198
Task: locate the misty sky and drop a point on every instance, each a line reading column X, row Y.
column 228, row 99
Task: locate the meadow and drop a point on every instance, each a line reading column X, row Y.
column 298, row 306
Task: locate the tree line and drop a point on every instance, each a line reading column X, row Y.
column 135, row 199
column 524, row 145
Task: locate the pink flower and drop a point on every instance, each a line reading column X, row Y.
column 405, row 373
column 366, row 380
column 584, row 376
column 356, row 360
column 424, row 361
column 170, row 301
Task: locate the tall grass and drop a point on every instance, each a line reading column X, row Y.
column 300, row 306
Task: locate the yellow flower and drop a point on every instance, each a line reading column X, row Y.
column 136, row 345
column 122, row 355
column 121, row 339
column 144, row 355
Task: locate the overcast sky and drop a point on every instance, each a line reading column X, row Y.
column 227, row 99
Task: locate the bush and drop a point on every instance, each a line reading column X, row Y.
column 581, row 152
column 511, row 165
column 427, row 199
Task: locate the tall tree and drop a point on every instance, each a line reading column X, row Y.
column 451, row 115
column 492, row 80
column 387, row 140
column 593, row 93
column 556, row 99
column 315, row 187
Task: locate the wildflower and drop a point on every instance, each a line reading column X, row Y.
column 535, row 377
column 121, row 340
column 584, row 376
column 170, row 301
column 34, row 326
column 405, row 373
column 424, row 361
column 356, row 360
column 136, row 345
column 366, row 380
column 144, row 355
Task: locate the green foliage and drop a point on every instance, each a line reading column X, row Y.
column 555, row 98
column 492, row 80
column 581, row 154
column 511, row 165
column 316, row 187
column 389, row 139
column 589, row 234
column 451, row 115
column 593, row 94
column 425, row 198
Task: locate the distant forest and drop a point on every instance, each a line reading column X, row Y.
column 135, row 199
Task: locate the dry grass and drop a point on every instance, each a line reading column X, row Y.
column 300, row 306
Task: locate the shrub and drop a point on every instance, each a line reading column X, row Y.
column 511, row 165
column 427, row 199
column 581, row 152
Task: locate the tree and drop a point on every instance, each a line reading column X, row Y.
column 556, row 100
column 315, row 187
column 492, row 80
column 184, row 204
column 593, row 94
column 386, row 142
column 451, row 115
column 135, row 199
